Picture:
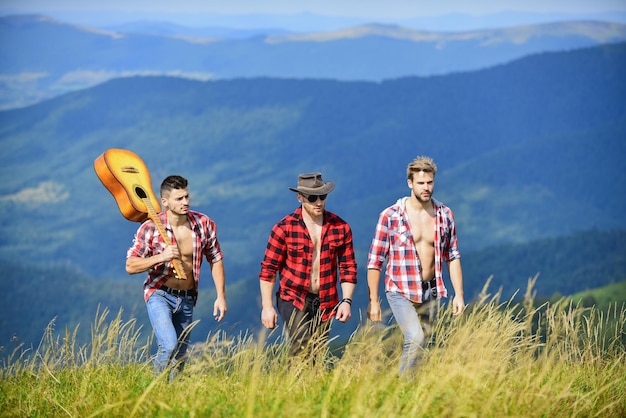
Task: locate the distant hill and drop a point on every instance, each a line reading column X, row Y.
column 41, row 57
column 603, row 298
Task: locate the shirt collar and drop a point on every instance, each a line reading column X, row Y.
column 193, row 224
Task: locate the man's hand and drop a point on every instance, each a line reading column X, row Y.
column 219, row 309
column 458, row 305
column 373, row 311
column 171, row 252
column 269, row 318
column 344, row 312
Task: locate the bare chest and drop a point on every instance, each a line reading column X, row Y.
column 315, row 233
column 422, row 227
column 184, row 240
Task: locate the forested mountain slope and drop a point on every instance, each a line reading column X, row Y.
column 526, row 150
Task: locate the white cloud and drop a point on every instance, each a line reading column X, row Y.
column 22, row 77
column 45, row 192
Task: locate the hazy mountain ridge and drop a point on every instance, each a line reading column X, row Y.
column 41, row 57
column 600, row 32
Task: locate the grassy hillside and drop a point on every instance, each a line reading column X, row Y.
column 603, row 298
column 489, row 362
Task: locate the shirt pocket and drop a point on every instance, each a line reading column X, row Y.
column 157, row 244
column 334, row 247
column 295, row 249
column 401, row 237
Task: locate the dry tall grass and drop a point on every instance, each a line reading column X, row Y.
column 497, row 360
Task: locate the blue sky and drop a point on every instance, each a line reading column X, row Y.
column 352, row 8
column 322, row 14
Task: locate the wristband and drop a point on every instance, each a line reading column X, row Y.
column 347, row 300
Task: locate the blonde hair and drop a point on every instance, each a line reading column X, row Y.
column 421, row 163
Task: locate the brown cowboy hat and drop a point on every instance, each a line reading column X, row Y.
column 312, row 184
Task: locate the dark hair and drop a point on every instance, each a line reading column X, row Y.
column 172, row 183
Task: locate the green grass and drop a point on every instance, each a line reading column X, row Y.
column 602, row 297
column 499, row 359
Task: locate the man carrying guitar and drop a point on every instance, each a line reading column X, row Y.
column 170, row 297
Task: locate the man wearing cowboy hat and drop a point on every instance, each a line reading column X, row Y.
column 308, row 249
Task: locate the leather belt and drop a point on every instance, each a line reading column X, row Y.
column 430, row 285
column 179, row 292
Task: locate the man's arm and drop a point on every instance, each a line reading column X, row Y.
column 456, row 276
column 269, row 317
column 274, row 258
column 136, row 265
column 344, row 310
column 378, row 252
column 219, row 279
column 373, row 307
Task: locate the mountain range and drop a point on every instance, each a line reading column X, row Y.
column 530, row 155
column 41, row 57
column 526, row 150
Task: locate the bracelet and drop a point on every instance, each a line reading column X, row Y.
column 347, row 300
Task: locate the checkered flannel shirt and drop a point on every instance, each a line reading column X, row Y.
column 394, row 242
column 148, row 242
column 289, row 253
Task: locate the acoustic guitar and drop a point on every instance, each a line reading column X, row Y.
column 126, row 176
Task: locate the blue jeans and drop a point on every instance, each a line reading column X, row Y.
column 169, row 316
column 415, row 321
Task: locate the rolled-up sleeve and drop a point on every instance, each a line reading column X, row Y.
column 347, row 259
column 379, row 247
column 275, row 254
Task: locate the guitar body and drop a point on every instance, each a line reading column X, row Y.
column 126, row 176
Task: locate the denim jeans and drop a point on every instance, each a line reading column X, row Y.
column 415, row 320
column 169, row 316
column 304, row 326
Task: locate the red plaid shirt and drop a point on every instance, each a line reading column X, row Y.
column 148, row 242
column 393, row 241
column 289, row 252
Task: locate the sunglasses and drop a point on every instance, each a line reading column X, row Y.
column 312, row 198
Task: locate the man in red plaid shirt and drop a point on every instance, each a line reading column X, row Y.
column 415, row 236
column 309, row 250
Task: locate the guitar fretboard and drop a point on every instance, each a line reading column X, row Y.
column 178, row 267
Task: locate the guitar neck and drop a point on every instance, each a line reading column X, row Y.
column 178, row 266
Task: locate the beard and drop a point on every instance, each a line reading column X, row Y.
column 312, row 211
column 423, row 198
